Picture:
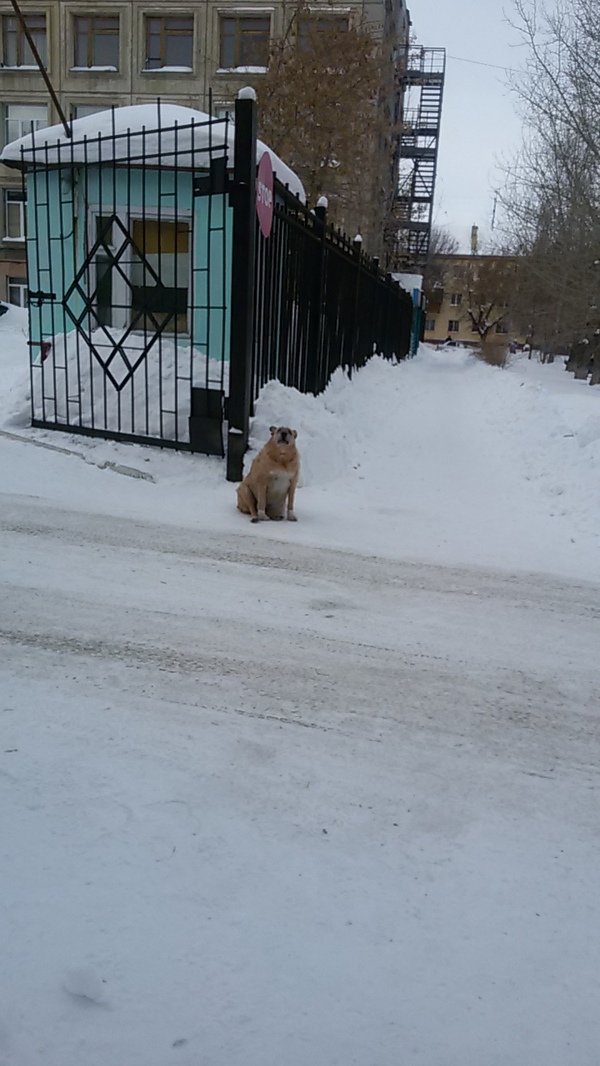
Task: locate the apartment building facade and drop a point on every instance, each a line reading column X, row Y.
column 134, row 51
column 463, row 292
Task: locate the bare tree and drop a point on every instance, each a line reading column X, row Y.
column 490, row 284
column 442, row 242
column 552, row 192
column 326, row 108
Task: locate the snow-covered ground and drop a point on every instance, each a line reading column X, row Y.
column 319, row 793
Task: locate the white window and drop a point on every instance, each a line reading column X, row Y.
column 17, row 291
column 21, row 117
column 453, row 325
column 429, row 325
column 83, row 110
column 456, row 299
column 14, row 215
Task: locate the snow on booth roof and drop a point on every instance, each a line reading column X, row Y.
column 165, row 135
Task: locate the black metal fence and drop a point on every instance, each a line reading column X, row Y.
column 310, row 301
column 320, row 302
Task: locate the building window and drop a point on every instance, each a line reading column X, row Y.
column 456, row 299
column 453, row 325
column 502, row 327
column 309, row 28
column 429, row 325
column 169, row 43
column 15, row 47
column 14, row 215
column 163, row 252
column 20, row 118
column 244, row 42
column 83, row 110
column 17, row 291
column 96, row 42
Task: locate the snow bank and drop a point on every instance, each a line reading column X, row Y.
column 79, row 392
column 15, row 408
column 323, row 437
column 447, row 458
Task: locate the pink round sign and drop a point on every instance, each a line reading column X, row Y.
column 264, row 195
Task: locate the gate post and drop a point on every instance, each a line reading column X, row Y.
column 243, row 202
column 316, row 380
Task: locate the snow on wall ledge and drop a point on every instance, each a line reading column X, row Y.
column 166, row 134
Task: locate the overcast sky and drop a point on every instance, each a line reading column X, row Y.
column 479, row 122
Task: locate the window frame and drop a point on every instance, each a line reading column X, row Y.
column 122, row 280
column 92, row 32
column 453, row 325
column 94, row 109
column 21, row 42
column 24, row 122
column 15, row 196
column 238, row 18
column 165, row 32
column 312, row 21
column 456, row 299
column 22, row 285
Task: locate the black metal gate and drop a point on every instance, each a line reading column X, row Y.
column 129, row 259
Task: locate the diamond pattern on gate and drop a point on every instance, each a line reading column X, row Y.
column 120, row 358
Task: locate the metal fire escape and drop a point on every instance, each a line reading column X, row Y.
column 422, row 83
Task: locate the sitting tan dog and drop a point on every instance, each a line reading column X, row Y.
column 268, row 490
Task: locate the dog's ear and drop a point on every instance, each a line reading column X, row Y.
column 272, row 430
column 295, row 433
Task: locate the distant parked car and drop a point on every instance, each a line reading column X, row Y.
column 3, row 308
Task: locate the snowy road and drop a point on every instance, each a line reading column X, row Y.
column 292, row 805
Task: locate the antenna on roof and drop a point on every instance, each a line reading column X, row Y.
column 41, row 67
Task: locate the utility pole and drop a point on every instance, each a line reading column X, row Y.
column 41, row 67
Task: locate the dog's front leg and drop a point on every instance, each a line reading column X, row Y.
column 291, row 517
column 261, row 504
